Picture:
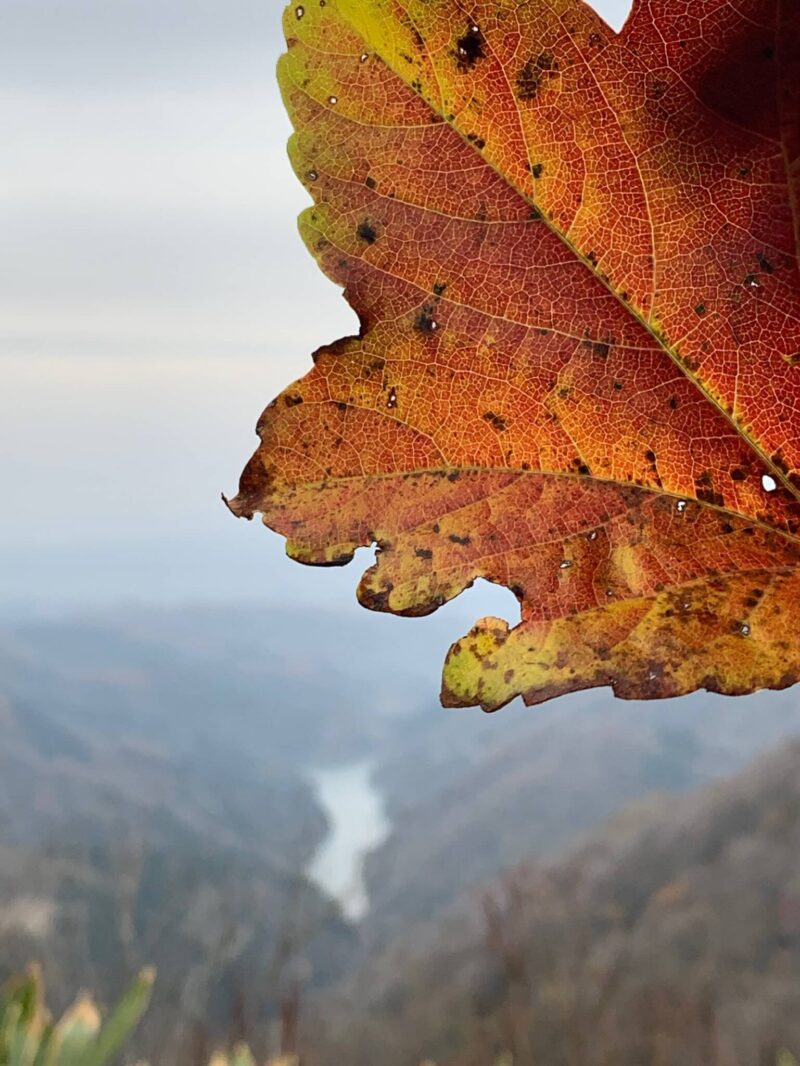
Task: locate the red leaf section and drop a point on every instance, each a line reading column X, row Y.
column 574, row 256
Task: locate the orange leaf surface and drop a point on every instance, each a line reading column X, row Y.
column 574, row 257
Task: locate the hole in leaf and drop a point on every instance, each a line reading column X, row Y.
column 613, row 11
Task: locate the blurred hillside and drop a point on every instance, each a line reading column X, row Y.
column 157, row 807
column 670, row 937
column 154, row 809
column 471, row 795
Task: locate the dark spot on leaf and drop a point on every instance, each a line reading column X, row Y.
column 439, row 288
column 494, row 420
column 528, row 81
column 598, row 348
column 425, row 321
column 705, row 492
column 377, row 601
column 700, row 309
column 463, row 541
column 779, row 461
column 370, row 183
column 424, row 553
column 366, row 231
column 293, row 400
column 537, row 169
column 469, row 49
column 764, row 263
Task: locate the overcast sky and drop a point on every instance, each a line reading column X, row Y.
column 154, row 296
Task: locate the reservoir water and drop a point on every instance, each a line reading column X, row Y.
column 358, row 824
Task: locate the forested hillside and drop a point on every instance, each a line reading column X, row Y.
column 472, row 795
column 157, row 807
column 671, row 936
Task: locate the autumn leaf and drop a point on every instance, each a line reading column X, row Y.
column 574, row 258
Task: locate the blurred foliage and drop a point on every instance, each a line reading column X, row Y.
column 30, row 1037
column 242, row 1056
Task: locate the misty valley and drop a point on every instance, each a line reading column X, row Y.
column 271, row 819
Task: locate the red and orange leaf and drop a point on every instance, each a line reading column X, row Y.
column 574, row 257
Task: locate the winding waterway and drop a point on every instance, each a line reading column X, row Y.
column 358, row 824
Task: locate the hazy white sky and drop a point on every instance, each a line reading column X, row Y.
column 154, row 296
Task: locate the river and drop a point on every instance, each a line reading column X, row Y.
column 358, row 824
